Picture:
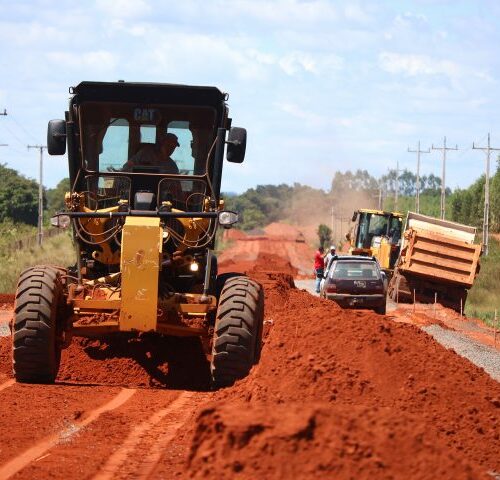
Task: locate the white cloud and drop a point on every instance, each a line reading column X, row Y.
column 408, row 18
column 124, row 8
column 310, row 118
column 99, row 60
column 295, row 62
column 413, row 64
column 291, row 13
column 356, row 13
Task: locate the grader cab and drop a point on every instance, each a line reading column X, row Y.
column 144, row 238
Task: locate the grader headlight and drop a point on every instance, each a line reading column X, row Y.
column 194, row 267
column 227, row 218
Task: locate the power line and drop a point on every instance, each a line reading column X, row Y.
column 20, row 125
column 40, row 192
column 21, row 142
column 417, row 195
column 444, row 148
column 486, row 214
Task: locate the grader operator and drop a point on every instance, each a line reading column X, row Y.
column 144, row 235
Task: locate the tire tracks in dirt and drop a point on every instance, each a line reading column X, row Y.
column 40, row 448
column 7, row 384
column 143, row 448
column 127, row 442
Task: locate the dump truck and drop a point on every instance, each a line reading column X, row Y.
column 439, row 261
column 144, row 236
column 377, row 233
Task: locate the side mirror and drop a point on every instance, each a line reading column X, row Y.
column 354, row 216
column 236, row 145
column 56, row 137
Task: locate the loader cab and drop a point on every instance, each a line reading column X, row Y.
column 377, row 233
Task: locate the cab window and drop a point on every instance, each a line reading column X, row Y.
column 114, row 145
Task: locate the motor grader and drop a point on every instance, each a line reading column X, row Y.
column 144, row 238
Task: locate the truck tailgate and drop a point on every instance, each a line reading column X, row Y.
column 440, row 257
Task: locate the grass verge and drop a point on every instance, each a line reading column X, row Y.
column 484, row 297
column 54, row 251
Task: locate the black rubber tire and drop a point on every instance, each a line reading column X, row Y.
column 36, row 335
column 238, row 330
column 381, row 310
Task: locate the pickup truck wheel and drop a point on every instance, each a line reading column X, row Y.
column 37, row 335
column 381, row 310
column 238, row 330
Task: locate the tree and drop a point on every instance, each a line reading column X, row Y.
column 18, row 197
column 324, row 235
column 361, row 180
column 55, row 196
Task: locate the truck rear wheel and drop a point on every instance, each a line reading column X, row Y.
column 238, row 330
column 36, row 331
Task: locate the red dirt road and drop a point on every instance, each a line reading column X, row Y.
column 337, row 394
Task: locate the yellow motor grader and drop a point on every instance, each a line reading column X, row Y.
column 144, row 238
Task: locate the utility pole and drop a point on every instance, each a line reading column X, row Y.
column 4, row 114
column 417, row 195
column 396, row 187
column 444, row 148
column 40, row 193
column 333, row 223
column 486, row 214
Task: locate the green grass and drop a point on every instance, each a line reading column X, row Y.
column 54, row 251
column 11, row 232
column 484, row 296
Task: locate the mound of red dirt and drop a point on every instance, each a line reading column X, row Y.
column 345, row 394
column 280, row 241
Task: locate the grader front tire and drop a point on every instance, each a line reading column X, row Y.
column 238, row 330
column 36, row 334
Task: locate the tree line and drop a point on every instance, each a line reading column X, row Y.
column 19, row 197
column 350, row 190
column 293, row 203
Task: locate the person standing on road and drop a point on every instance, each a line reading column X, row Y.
column 329, row 257
column 319, row 267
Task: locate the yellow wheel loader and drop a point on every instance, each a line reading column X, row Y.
column 377, row 233
column 144, row 234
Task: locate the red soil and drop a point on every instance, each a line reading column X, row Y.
column 346, row 394
column 337, row 394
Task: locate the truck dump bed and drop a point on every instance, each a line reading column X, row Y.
column 440, row 250
column 438, row 261
column 439, row 257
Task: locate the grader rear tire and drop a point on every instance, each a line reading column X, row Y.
column 238, row 330
column 36, row 333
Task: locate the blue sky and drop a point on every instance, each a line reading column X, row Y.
column 320, row 85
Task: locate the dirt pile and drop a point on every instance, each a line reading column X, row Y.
column 280, row 241
column 343, row 394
